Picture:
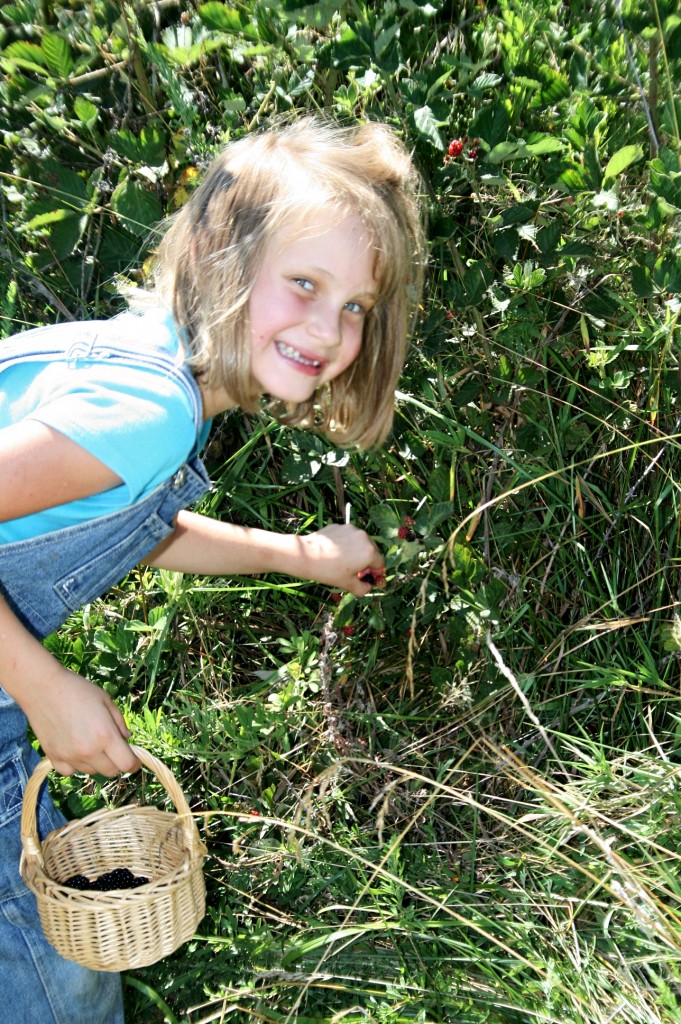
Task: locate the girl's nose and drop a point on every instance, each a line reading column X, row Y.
column 324, row 324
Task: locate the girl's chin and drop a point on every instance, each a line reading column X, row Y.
column 294, row 395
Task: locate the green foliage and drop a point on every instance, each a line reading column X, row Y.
column 456, row 800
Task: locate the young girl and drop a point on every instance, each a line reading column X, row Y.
column 291, row 273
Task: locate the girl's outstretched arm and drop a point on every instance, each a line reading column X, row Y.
column 78, row 725
column 334, row 556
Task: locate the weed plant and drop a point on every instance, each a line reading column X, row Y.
column 458, row 800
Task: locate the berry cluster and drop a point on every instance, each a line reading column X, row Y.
column 119, row 878
column 457, row 147
column 405, row 532
column 374, row 579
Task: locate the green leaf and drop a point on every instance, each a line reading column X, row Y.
column 385, row 38
column 622, row 159
column 436, row 87
column 26, row 53
column 491, row 125
column 573, row 178
column 220, row 17
column 146, row 148
column 385, row 518
column 85, row 111
column 543, row 145
column 487, row 80
column 138, row 209
column 428, row 126
column 504, row 151
column 60, row 186
column 42, row 220
column 57, row 55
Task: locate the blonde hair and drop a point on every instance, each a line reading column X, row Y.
column 277, row 179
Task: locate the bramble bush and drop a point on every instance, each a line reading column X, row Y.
column 457, row 800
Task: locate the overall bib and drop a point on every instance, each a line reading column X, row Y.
column 44, row 580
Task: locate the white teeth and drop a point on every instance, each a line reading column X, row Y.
column 291, row 353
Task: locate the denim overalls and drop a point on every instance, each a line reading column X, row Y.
column 44, row 579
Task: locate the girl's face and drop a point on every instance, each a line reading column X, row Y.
column 308, row 306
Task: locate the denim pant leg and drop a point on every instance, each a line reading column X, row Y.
column 37, row 985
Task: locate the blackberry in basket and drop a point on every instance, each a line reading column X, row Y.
column 83, row 917
column 119, row 878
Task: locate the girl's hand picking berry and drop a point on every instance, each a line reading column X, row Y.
column 339, row 555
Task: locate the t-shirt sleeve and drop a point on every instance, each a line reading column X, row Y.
column 136, row 421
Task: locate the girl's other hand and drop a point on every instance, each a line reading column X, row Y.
column 79, row 727
column 340, row 555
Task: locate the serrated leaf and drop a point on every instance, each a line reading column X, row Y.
column 138, row 208
column 298, row 469
column 385, row 518
column 573, row 178
column 488, row 80
column 42, row 220
column 527, row 83
column 385, row 38
column 26, row 52
column 547, row 144
column 9, row 67
column 504, row 151
column 622, row 159
column 428, row 126
column 439, row 512
column 85, row 111
column 435, row 87
column 491, row 125
column 220, row 17
column 63, row 186
column 57, row 55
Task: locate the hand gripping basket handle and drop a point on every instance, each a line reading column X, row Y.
column 30, row 839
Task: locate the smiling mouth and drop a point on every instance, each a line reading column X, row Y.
column 288, row 352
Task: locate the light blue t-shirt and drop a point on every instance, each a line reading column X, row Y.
column 138, row 420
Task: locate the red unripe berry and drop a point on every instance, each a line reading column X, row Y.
column 473, row 153
column 455, row 147
column 348, row 630
column 335, row 597
column 404, row 533
column 408, row 521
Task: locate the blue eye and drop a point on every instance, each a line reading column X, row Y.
column 304, row 283
column 355, row 307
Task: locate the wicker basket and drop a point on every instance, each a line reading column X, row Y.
column 125, row 928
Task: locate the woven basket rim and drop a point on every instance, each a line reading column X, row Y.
column 123, row 928
column 32, row 866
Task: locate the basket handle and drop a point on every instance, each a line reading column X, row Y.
column 30, row 839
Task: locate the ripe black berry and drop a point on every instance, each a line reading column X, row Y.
column 119, row 878
column 78, row 882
